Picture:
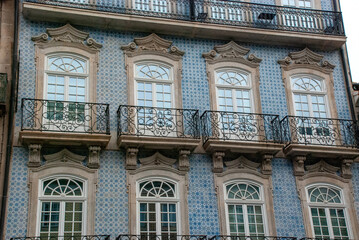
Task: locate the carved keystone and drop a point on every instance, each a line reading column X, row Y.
column 217, row 159
column 346, row 171
column 34, row 155
column 266, row 166
column 131, row 158
column 183, row 161
column 94, row 157
column 298, row 165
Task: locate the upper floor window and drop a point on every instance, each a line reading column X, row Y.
column 244, row 203
column 328, row 213
column 161, row 6
column 233, row 90
column 309, row 97
column 158, row 208
column 154, row 83
column 61, row 208
column 298, row 3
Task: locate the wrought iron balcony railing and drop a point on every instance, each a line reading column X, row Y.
column 158, row 122
column 257, row 237
column 55, row 237
column 161, row 237
column 320, row 131
column 234, row 13
column 64, row 116
column 240, row 126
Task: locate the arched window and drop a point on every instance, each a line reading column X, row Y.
column 62, row 205
column 66, row 79
column 309, row 97
column 245, row 210
column 158, row 208
column 233, row 90
column 328, row 213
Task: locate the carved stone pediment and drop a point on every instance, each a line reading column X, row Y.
column 242, row 162
column 157, row 159
column 152, row 44
column 231, row 52
column 66, row 34
column 64, row 156
column 322, row 166
column 306, row 57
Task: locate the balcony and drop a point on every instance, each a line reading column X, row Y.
column 320, row 137
column 241, row 21
column 241, row 132
column 87, row 237
column 157, row 128
column 64, row 123
column 161, row 237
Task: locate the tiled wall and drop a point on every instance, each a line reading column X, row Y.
column 355, row 180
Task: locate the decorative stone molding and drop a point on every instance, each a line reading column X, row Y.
column 131, row 158
column 153, row 44
column 306, row 58
column 231, row 52
column 322, row 166
column 183, row 160
column 346, row 171
column 157, row 159
column 67, row 34
column 94, row 157
column 298, row 165
column 217, row 159
column 34, row 156
column 242, row 162
column 64, row 156
column 266, row 166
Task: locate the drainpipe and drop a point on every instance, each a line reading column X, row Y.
column 11, row 120
column 346, row 67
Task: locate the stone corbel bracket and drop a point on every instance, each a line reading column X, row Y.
column 94, row 157
column 346, row 170
column 34, row 156
column 153, row 44
column 67, row 34
column 231, row 52
column 306, row 59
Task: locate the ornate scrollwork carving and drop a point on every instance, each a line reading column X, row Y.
column 67, row 34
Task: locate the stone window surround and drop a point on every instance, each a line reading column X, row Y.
column 242, row 175
column 231, row 56
column 41, row 53
column 36, row 175
column 317, row 178
column 324, row 72
column 165, row 172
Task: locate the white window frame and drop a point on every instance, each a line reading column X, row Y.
column 158, row 201
column 296, row 2
column 309, row 94
column 248, row 87
column 67, row 76
column 260, row 202
column 154, row 82
column 62, row 199
column 328, row 206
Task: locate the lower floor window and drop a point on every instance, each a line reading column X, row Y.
column 245, row 220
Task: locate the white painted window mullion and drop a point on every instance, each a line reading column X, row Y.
column 245, row 218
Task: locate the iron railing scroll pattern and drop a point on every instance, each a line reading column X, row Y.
column 65, row 116
column 320, row 131
column 164, row 236
column 234, row 13
column 74, row 237
column 158, row 122
column 220, row 125
column 254, row 237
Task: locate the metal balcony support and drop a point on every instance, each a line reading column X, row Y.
column 64, row 116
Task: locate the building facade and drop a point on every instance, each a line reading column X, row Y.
column 203, row 118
